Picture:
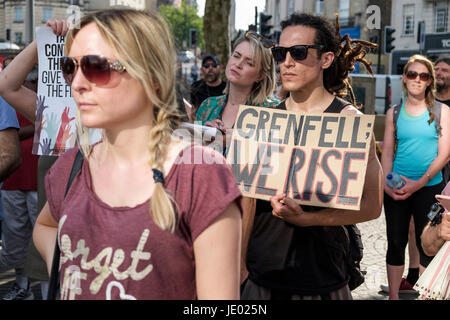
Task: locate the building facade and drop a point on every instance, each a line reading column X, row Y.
column 18, row 16
column 421, row 26
column 353, row 20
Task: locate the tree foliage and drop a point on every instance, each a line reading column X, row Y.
column 181, row 20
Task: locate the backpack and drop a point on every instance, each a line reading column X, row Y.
column 53, row 292
column 354, row 256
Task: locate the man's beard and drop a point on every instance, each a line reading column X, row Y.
column 211, row 77
column 440, row 86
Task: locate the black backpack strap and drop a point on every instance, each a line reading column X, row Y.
column 76, row 167
column 53, row 292
column 396, row 113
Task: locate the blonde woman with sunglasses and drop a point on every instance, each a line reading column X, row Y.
column 251, row 80
column 417, row 151
column 139, row 220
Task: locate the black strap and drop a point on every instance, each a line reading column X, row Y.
column 53, row 292
column 336, row 105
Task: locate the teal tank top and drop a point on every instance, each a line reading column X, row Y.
column 417, row 146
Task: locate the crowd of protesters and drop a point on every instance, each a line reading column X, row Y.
column 160, row 227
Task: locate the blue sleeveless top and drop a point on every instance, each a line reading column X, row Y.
column 417, row 146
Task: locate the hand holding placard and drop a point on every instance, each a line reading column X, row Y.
column 315, row 159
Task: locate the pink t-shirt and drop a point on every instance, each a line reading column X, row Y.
column 118, row 252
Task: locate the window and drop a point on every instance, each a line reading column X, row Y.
column 344, row 11
column 18, row 37
column 290, row 7
column 408, row 19
column 47, row 14
column 18, row 14
column 319, row 7
column 441, row 16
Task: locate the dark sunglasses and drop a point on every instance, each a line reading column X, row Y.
column 412, row 75
column 212, row 64
column 298, row 52
column 267, row 43
column 96, row 69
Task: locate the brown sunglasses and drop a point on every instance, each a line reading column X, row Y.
column 412, row 75
column 96, row 69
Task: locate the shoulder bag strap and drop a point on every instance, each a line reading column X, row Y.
column 53, row 284
column 397, row 108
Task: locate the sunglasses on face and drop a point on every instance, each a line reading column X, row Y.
column 412, row 75
column 298, row 52
column 212, row 64
column 96, row 69
column 267, row 43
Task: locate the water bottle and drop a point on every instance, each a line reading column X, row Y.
column 394, row 180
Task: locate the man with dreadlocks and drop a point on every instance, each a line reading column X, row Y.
column 298, row 252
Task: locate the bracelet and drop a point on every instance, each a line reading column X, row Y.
column 428, row 175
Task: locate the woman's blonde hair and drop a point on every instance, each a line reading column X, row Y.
column 262, row 57
column 143, row 44
column 430, row 92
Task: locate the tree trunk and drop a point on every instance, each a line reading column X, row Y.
column 216, row 30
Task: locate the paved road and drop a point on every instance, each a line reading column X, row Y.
column 374, row 262
column 374, row 240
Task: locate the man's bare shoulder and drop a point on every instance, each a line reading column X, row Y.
column 350, row 109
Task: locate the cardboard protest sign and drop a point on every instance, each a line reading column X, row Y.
column 316, row 159
column 55, row 130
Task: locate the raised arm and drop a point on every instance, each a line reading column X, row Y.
column 12, row 78
column 11, row 82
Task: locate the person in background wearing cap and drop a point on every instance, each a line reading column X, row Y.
column 211, row 85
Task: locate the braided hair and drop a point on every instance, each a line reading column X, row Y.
column 346, row 50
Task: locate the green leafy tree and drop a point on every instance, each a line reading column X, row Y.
column 181, row 21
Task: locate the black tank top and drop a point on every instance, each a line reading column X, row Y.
column 300, row 260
